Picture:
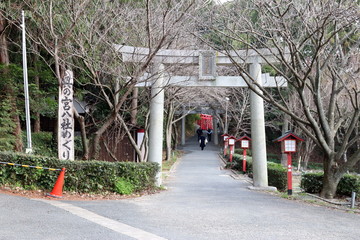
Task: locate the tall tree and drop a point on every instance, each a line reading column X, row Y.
column 81, row 35
column 9, row 89
column 317, row 45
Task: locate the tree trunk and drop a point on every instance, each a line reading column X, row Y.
column 4, row 59
column 168, row 141
column 81, row 121
column 331, row 179
column 95, row 141
column 330, row 183
column 138, row 150
column 284, row 129
column 94, row 145
column 175, row 136
column 168, row 132
column 4, row 55
column 37, row 125
column 18, row 133
column 134, row 105
column 358, row 146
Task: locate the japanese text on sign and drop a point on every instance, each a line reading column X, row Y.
column 66, row 118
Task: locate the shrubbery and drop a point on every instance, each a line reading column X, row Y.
column 237, row 163
column 45, row 145
column 123, row 186
column 271, row 157
column 312, row 183
column 80, row 176
column 348, row 184
column 7, row 125
column 240, row 151
column 277, row 175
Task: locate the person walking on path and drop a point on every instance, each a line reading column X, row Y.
column 199, row 132
column 209, row 132
column 202, row 141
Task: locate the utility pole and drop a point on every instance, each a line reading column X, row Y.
column 26, row 88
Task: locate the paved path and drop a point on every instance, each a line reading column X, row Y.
column 202, row 202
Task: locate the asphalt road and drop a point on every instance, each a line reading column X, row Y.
column 202, row 202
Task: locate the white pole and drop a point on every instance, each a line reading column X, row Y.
column 353, row 198
column 157, row 121
column 26, row 89
column 258, row 131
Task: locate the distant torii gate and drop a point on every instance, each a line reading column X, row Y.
column 207, row 61
column 205, row 122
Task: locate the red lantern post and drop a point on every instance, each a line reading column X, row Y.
column 231, row 143
column 225, row 137
column 244, row 144
column 288, row 145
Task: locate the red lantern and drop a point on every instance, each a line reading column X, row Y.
column 225, row 137
column 288, row 145
column 244, row 144
column 231, row 142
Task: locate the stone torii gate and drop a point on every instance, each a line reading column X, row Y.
column 207, row 62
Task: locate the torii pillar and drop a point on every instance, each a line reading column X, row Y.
column 157, row 120
column 258, row 136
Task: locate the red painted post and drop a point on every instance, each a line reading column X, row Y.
column 231, row 152
column 289, row 173
column 244, row 144
column 288, row 145
column 225, row 147
column 244, row 160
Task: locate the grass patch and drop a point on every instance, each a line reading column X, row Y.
column 123, row 186
column 166, row 165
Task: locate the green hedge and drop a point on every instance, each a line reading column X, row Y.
column 240, row 151
column 277, row 175
column 313, row 182
column 238, row 163
column 80, row 176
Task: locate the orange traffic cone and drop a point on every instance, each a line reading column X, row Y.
column 57, row 190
